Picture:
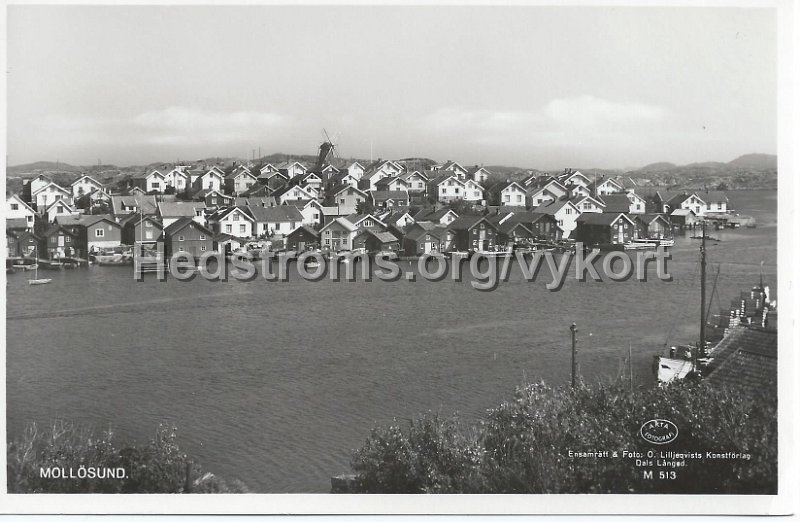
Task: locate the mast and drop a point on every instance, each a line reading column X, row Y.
column 703, row 292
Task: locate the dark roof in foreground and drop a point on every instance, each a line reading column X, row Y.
column 746, row 359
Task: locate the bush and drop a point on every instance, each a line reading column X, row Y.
column 432, row 456
column 523, row 445
column 158, row 467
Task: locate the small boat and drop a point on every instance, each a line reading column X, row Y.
column 666, row 242
column 36, row 280
column 640, row 244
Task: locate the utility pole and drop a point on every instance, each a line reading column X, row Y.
column 703, row 293
column 574, row 330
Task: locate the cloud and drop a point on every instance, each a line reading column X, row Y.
column 168, row 127
column 583, row 123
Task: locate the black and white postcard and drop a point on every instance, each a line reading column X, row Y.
column 375, row 258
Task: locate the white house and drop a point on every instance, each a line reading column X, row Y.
column 443, row 216
column 43, row 197
column 282, row 219
column 293, row 193
column 18, row 209
column 38, row 183
column 59, row 208
column 310, row 209
column 479, row 174
column 346, row 198
column 473, row 192
column 356, row 170
column 606, row 186
column 446, row 188
column 291, row 168
column 212, row 180
column 392, row 183
column 177, row 179
column 84, row 185
column 455, row 168
column 234, row 221
column 239, row 181
column 417, row 181
column 550, row 190
column 565, row 212
column 588, row 204
column 150, row 182
column 512, row 194
column 172, row 211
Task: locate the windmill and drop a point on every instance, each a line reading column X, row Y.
column 327, row 152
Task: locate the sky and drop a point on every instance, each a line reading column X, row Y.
column 528, row 86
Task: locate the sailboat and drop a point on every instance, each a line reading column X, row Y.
column 685, row 360
column 36, row 280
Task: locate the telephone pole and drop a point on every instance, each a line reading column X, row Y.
column 574, row 330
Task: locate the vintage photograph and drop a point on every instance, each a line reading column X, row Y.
column 387, row 249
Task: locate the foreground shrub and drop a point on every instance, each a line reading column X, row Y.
column 157, row 467
column 523, row 445
column 432, row 456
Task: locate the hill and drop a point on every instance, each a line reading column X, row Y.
column 51, row 166
column 756, row 161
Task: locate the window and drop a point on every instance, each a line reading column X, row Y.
column 180, row 249
column 236, row 217
column 242, row 228
column 15, row 206
column 214, row 200
column 156, row 185
column 316, row 215
column 519, row 197
column 327, row 241
column 148, row 224
column 202, row 248
column 228, row 228
column 99, row 232
column 30, row 219
column 327, row 232
column 341, row 201
column 508, row 198
column 67, row 239
column 344, row 240
column 291, row 224
column 202, row 237
column 180, row 238
column 719, row 206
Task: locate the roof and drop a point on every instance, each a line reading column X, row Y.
column 147, row 204
column 85, row 220
column 427, row 214
column 747, row 358
column 499, row 187
column 86, row 176
column 305, row 228
column 616, row 203
column 649, row 218
column 343, row 223
column 712, row 196
column 280, row 213
column 390, row 179
column 383, row 237
column 229, row 210
column 466, row 222
column 606, row 218
column 54, row 228
column 508, row 225
column 383, row 195
column 178, row 209
column 135, row 217
column 529, row 217
column 554, row 206
column 16, row 223
column 416, row 233
column 682, row 212
column 181, row 223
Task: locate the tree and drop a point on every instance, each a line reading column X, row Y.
column 365, row 207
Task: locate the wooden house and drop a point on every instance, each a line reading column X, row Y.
column 373, row 241
column 187, row 236
column 473, row 234
column 605, row 229
column 302, row 238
